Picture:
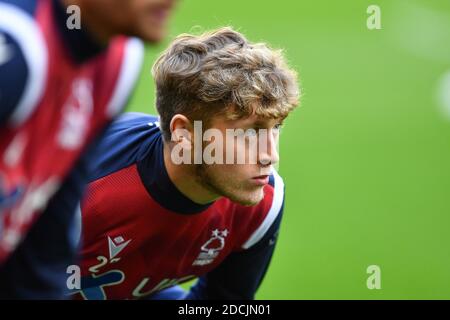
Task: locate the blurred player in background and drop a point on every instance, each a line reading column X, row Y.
column 149, row 223
column 59, row 88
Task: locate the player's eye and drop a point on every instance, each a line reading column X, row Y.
column 277, row 127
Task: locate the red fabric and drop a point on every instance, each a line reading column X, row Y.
column 164, row 244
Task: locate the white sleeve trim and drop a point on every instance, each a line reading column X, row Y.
column 77, row 225
column 129, row 72
column 27, row 33
column 277, row 203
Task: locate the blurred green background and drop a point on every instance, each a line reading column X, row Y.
column 366, row 157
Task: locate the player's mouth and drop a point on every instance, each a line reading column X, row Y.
column 261, row 180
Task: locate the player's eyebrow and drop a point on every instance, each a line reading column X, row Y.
column 262, row 124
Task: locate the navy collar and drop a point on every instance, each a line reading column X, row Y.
column 80, row 44
column 155, row 178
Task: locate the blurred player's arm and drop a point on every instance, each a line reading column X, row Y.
column 52, row 243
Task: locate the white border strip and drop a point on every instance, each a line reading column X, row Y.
column 129, row 72
column 26, row 32
column 77, row 226
column 277, row 203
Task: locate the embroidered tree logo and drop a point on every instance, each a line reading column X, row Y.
column 216, row 242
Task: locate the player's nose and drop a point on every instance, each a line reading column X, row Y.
column 268, row 153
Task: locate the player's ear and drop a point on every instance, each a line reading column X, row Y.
column 181, row 129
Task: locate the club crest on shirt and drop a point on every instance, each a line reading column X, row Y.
column 211, row 248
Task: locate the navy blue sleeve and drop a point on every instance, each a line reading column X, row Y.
column 125, row 141
column 172, row 293
column 13, row 75
column 241, row 273
column 37, row 268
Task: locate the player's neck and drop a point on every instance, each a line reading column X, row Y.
column 184, row 179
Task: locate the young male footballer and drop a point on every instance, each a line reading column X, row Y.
column 61, row 83
column 151, row 221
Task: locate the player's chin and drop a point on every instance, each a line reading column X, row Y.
column 151, row 36
column 152, row 33
column 250, row 198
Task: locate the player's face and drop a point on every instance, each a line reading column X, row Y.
column 243, row 183
column 146, row 19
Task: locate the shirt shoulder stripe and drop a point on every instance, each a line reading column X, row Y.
column 273, row 213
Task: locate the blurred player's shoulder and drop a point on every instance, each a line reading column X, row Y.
column 28, row 6
column 92, row 83
column 23, row 59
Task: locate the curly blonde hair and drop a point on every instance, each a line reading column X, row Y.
column 221, row 72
